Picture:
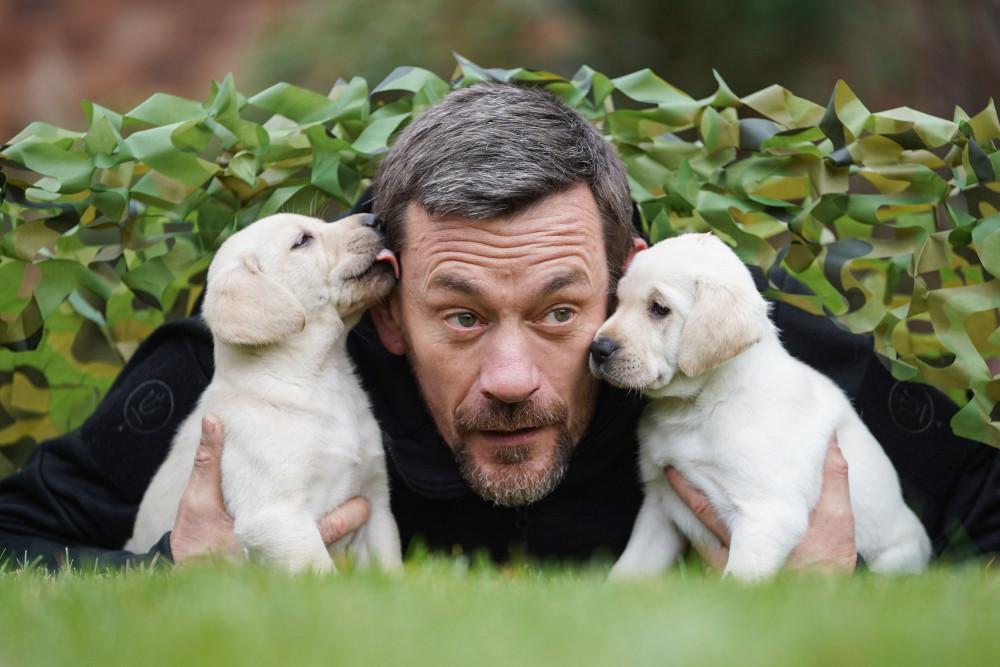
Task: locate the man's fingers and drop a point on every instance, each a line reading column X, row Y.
column 834, row 506
column 699, row 504
column 344, row 520
column 718, row 556
column 207, row 470
column 202, row 526
column 828, row 545
column 835, row 467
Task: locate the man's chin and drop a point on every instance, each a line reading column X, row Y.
column 513, row 485
column 515, row 473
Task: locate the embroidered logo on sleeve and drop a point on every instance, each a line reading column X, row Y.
column 149, row 406
column 911, row 407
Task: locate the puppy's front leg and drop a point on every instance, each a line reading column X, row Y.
column 655, row 542
column 285, row 536
column 761, row 540
column 378, row 540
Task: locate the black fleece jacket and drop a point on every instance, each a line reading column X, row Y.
column 76, row 498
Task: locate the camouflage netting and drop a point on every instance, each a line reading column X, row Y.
column 891, row 218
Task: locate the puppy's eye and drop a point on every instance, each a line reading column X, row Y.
column 658, row 310
column 302, row 240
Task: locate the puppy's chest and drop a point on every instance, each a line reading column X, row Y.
column 343, row 442
column 676, row 441
column 323, row 423
column 693, row 446
column 670, row 435
column 345, row 421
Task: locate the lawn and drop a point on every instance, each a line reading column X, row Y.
column 448, row 612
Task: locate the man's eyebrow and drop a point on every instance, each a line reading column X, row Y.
column 449, row 281
column 563, row 280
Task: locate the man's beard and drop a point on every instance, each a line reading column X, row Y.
column 512, row 481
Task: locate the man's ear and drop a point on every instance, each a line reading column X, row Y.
column 390, row 331
column 638, row 244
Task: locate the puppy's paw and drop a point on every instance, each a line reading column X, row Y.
column 907, row 558
column 746, row 575
column 636, row 564
column 627, row 573
column 749, row 569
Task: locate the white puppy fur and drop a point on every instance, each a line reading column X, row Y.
column 739, row 417
column 300, row 438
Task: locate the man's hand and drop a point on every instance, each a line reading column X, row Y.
column 203, row 528
column 828, row 545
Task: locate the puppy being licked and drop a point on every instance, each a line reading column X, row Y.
column 740, row 418
column 300, row 438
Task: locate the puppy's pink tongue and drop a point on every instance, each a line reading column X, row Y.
column 386, row 255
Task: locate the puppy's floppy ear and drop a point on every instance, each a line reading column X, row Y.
column 723, row 322
column 244, row 306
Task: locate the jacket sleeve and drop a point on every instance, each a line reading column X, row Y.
column 74, row 502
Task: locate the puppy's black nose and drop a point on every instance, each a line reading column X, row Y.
column 602, row 349
column 372, row 221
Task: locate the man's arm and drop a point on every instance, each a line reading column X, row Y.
column 75, row 500
column 828, row 545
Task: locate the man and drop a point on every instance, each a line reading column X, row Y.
column 511, row 219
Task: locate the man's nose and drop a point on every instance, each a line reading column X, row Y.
column 508, row 371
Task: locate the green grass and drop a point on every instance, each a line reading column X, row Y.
column 444, row 612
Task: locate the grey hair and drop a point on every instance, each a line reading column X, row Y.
column 491, row 151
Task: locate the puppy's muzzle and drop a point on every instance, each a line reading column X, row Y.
column 369, row 220
column 601, row 351
column 384, row 255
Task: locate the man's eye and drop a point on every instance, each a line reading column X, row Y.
column 463, row 320
column 558, row 316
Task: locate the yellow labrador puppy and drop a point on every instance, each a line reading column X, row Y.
column 739, row 417
column 300, row 437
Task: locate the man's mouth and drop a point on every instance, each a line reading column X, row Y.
column 513, row 438
column 500, row 426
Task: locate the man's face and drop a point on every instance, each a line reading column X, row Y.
column 496, row 319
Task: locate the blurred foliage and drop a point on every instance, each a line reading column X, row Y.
column 925, row 54
column 891, row 218
column 320, row 40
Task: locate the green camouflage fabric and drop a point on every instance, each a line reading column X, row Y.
column 890, row 218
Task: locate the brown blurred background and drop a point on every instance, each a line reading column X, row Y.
column 927, row 54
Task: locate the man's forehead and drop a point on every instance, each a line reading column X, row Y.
column 460, row 258
column 556, row 243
